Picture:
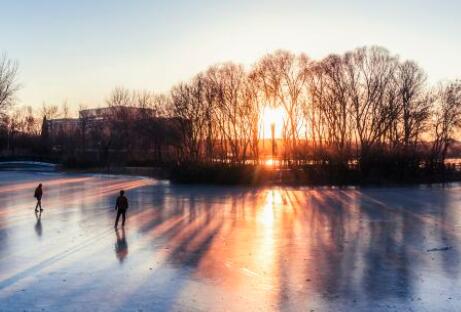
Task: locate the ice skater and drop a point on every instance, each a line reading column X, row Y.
column 38, row 195
column 121, row 205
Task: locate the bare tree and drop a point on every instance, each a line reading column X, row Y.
column 373, row 95
column 32, row 125
column 188, row 107
column 446, row 118
column 331, row 107
column 119, row 123
column 8, row 84
column 283, row 76
column 65, row 109
column 50, row 111
column 416, row 102
column 232, row 110
column 120, row 97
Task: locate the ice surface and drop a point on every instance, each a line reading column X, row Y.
column 204, row 248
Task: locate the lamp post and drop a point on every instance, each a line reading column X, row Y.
column 273, row 139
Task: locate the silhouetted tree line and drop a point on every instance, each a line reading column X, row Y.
column 362, row 113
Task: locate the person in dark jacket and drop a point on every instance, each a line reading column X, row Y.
column 121, row 205
column 38, row 195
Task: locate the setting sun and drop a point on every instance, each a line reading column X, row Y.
column 272, row 116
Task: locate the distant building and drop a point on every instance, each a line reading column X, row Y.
column 107, row 112
column 60, row 126
column 123, row 129
column 100, row 118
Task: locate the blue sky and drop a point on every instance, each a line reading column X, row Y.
column 79, row 50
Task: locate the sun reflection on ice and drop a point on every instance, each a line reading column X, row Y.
column 273, row 199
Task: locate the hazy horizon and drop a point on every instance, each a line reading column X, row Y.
column 78, row 52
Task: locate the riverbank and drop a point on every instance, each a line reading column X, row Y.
column 310, row 175
column 222, row 174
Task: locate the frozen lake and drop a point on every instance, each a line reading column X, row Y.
column 205, row 248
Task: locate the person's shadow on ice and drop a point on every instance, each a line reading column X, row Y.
column 38, row 224
column 121, row 246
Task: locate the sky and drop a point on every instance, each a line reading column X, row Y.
column 78, row 51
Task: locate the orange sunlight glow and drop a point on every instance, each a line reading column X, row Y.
column 267, row 213
column 269, row 162
column 272, row 116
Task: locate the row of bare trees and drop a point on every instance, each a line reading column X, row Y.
column 367, row 102
column 358, row 107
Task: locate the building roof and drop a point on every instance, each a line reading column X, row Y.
column 105, row 111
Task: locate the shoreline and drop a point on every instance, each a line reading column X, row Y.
column 239, row 176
